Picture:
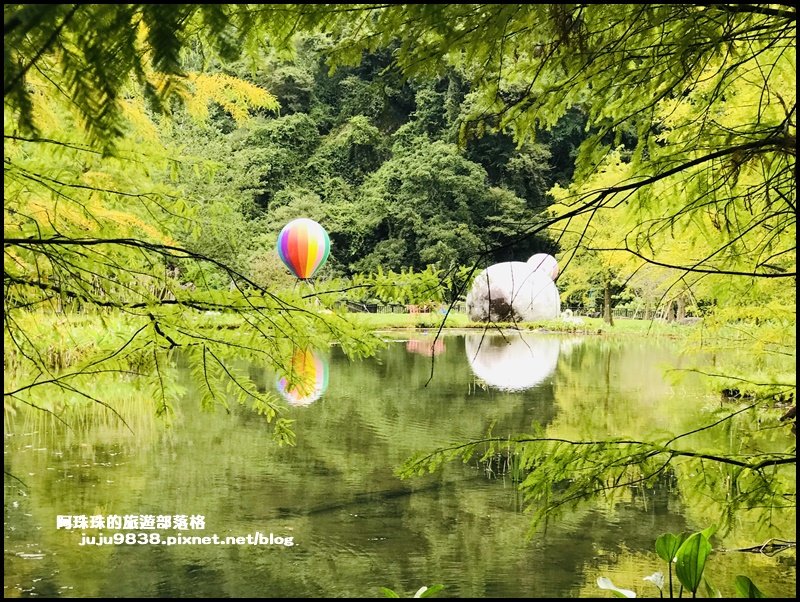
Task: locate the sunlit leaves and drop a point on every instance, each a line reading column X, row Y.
column 235, row 96
column 97, row 54
column 701, row 98
column 95, row 231
column 559, row 474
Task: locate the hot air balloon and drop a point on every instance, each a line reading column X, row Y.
column 307, row 379
column 303, row 245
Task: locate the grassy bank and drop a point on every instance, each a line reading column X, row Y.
column 576, row 325
column 64, row 340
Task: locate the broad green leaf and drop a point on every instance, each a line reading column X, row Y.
column 745, row 588
column 709, row 531
column 667, row 545
column 690, row 561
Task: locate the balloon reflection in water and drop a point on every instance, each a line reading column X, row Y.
column 307, row 379
column 425, row 347
column 514, row 362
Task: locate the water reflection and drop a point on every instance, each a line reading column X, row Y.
column 426, row 347
column 514, row 361
column 356, row 527
column 306, row 379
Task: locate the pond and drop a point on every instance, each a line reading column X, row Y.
column 328, row 517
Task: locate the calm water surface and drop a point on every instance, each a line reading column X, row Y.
column 355, row 527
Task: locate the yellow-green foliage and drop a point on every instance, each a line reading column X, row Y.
column 237, row 97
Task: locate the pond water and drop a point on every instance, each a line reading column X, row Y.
column 355, row 527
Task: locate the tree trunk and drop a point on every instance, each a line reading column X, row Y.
column 670, row 312
column 681, row 313
column 608, row 317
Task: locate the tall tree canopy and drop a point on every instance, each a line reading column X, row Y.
column 700, row 98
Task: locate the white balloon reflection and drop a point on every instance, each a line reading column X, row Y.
column 514, row 362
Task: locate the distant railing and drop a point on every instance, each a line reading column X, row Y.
column 636, row 313
column 397, row 308
column 460, row 307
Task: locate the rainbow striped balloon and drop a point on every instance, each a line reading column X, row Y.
column 304, row 246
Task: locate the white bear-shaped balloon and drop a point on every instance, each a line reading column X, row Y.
column 542, row 262
column 513, row 291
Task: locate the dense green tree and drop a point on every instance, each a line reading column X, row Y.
column 352, row 151
column 430, row 205
column 273, row 152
